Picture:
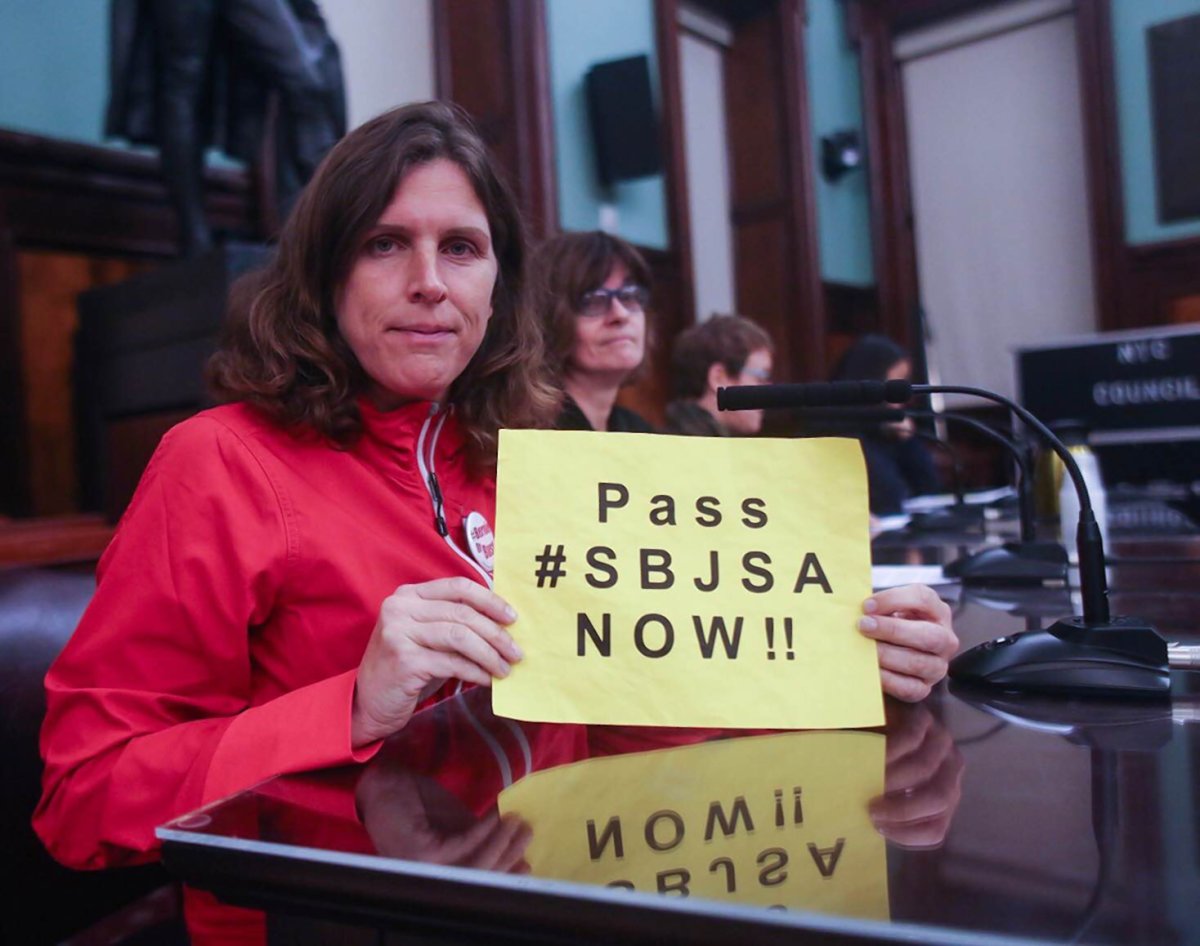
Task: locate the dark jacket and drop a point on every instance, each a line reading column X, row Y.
column 621, row 420
column 896, row 470
column 688, row 417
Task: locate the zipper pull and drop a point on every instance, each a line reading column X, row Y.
column 439, row 520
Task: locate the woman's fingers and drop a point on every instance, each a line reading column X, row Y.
column 442, row 629
column 456, row 638
column 442, row 666
column 465, row 591
column 915, row 640
column 464, row 601
column 910, row 601
column 460, row 613
column 910, row 662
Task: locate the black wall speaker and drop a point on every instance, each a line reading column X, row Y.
column 1174, row 50
column 624, row 123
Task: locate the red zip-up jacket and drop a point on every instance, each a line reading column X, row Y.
column 231, row 612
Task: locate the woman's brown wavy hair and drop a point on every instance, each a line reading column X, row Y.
column 563, row 270
column 282, row 351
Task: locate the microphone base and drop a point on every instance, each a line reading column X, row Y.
column 1124, row 657
column 1013, row 563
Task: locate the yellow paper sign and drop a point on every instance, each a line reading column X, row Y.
column 778, row 821
column 685, row 581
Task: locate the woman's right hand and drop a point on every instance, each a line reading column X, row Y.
column 451, row 628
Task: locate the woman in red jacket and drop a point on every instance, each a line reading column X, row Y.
column 302, row 568
column 237, row 630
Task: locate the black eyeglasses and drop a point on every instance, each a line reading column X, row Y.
column 597, row 302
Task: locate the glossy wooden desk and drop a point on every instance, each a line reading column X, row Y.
column 1002, row 818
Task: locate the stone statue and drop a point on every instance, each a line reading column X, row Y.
column 192, row 74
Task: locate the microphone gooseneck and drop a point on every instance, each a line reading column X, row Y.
column 1024, row 562
column 1092, row 654
column 955, row 460
column 1020, row 457
column 1093, row 585
column 1092, row 582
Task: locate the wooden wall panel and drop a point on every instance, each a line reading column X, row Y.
column 1110, row 265
column 771, row 167
column 14, row 471
column 1184, row 310
column 491, row 59
column 50, row 284
column 1164, row 283
column 893, row 244
column 754, row 105
column 765, row 242
column 63, row 195
column 649, row 395
column 71, row 216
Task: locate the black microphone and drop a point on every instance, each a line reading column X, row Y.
column 1092, row 654
column 1027, row 561
column 817, row 394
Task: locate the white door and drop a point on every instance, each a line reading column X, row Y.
column 702, row 43
column 996, row 150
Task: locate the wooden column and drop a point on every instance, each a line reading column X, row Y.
column 772, row 199
column 491, row 59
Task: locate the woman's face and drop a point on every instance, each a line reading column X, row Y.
column 609, row 345
column 756, row 370
column 417, row 301
column 900, row 371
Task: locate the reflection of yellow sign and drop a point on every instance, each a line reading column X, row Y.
column 771, row 820
column 685, row 581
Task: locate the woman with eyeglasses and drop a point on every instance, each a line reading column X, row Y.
column 592, row 291
column 722, row 351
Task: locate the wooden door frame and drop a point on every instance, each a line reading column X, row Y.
column 796, row 315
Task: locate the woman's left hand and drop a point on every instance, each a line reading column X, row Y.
column 911, row 627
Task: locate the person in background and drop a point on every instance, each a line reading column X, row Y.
column 592, row 292
column 722, row 351
column 898, row 465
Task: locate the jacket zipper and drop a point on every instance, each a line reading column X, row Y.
column 429, row 478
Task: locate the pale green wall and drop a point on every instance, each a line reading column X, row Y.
column 54, row 82
column 835, row 101
column 1130, row 18
column 581, row 33
column 54, row 57
column 54, row 67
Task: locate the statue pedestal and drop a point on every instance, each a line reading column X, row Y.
column 139, row 364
